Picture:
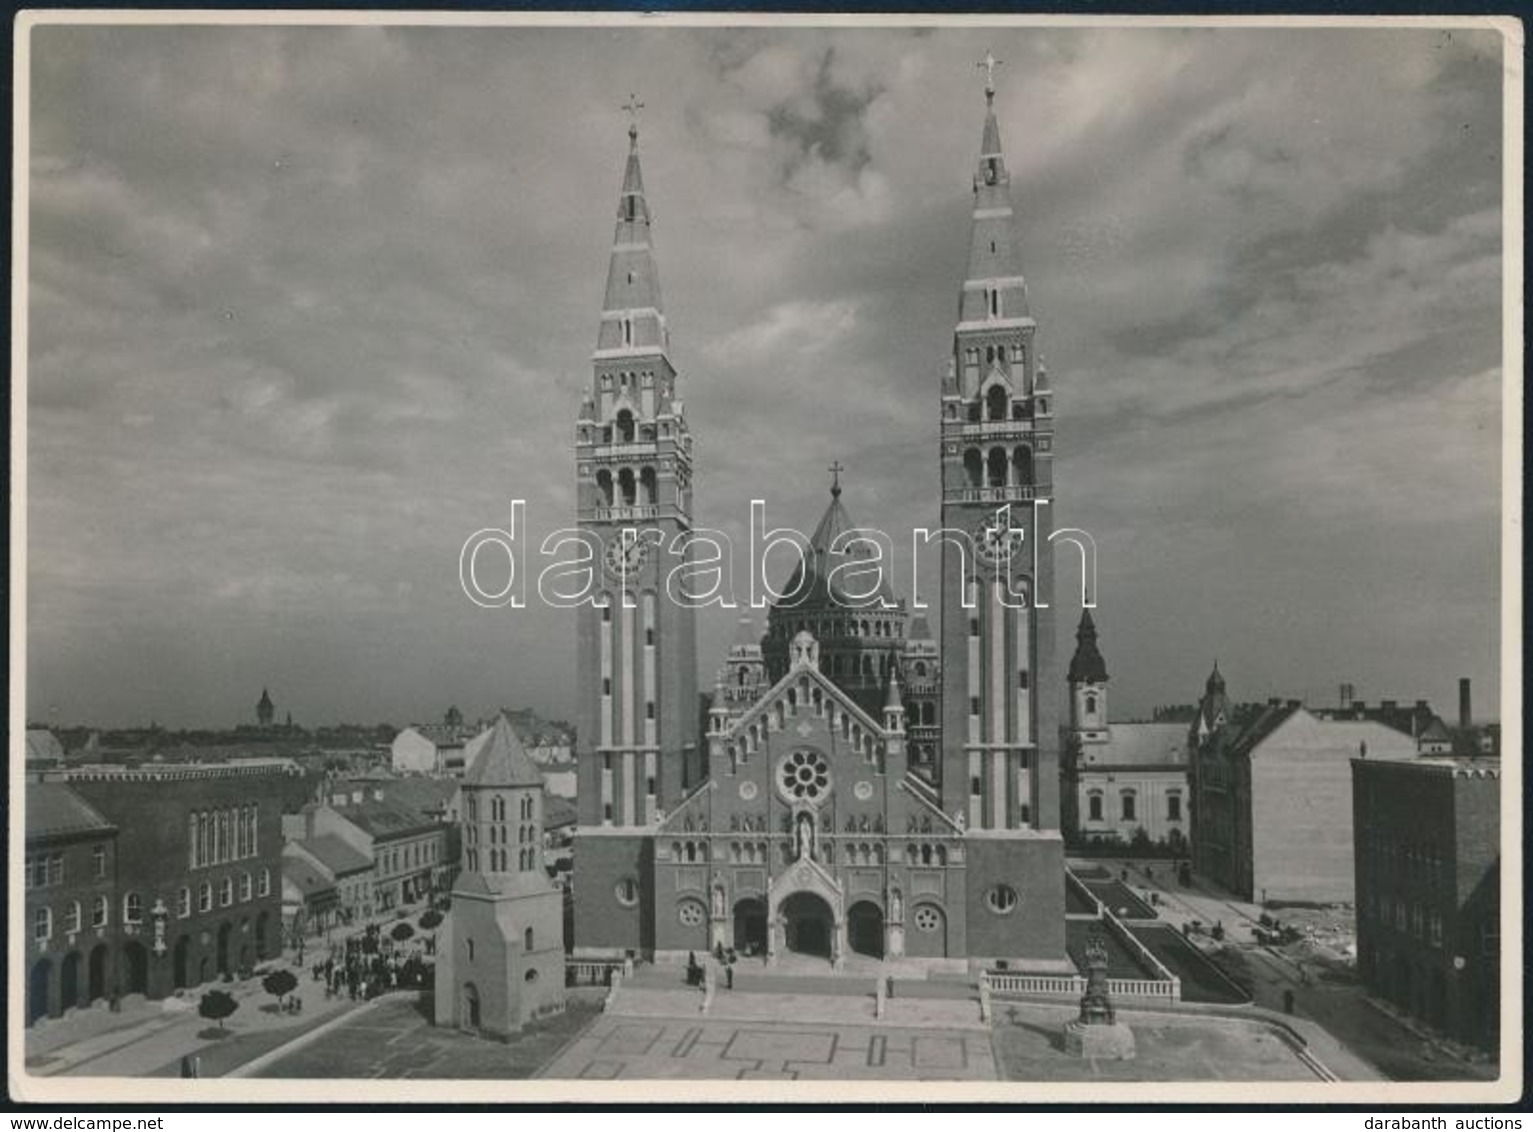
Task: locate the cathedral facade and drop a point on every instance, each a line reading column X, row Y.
column 861, row 787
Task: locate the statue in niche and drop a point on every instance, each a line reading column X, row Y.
column 805, row 837
column 851, row 824
column 686, row 824
column 734, row 823
column 896, row 906
column 878, row 823
column 864, row 825
column 718, row 901
column 926, row 823
column 910, row 823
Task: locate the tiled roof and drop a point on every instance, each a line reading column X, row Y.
column 502, row 761
column 337, row 856
column 383, row 820
column 44, row 745
column 308, row 879
column 1141, row 744
column 557, row 812
column 54, row 810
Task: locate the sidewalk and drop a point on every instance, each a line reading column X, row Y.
column 147, row 1037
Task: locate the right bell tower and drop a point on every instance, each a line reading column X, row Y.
column 1000, row 693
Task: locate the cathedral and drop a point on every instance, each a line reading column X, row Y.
column 860, row 788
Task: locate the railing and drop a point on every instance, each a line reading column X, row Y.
column 630, row 513
column 1073, row 986
column 1014, row 494
column 591, row 972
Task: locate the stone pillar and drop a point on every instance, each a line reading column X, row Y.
column 838, row 944
column 894, row 946
column 775, row 941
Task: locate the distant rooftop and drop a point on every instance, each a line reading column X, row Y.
column 54, row 810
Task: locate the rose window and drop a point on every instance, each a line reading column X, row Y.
column 691, row 913
column 927, row 919
column 805, row 776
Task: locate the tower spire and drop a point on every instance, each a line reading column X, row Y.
column 633, row 316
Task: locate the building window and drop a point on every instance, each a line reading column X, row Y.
column 205, row 897
column 1127, row 798
column 1173, row 807
column 226, row 892
column 132, row 908
column 245, row 887
column 927, row 919
column 691, row 913
column 42, row 924
column 1001, row 898
column 973, row 705
column 265, row 888
column 98, row 861
column 183, row 903
column 1094, row 806
column 1091, row 704
column 72, row 918
column 531, row 976
column 627, row 892
column 1437, row 929
column 101, row 913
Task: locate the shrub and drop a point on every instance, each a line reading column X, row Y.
column 216, row 1005
column 280, row 983
column 401, row 932
column 430, row 919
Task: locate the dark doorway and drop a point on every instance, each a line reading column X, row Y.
column 97, row 972
column 224, row 931
column 135, row 961
column 69, row 982
column 865, row 929
column 37, row 991
column 470, row 1017
column 263, row 927
column 178, row 963
column 750, row 926
column 808, row 923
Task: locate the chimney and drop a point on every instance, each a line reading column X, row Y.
column 1348, row 694
column 1465, row 716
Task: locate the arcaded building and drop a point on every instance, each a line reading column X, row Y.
column 863, row 787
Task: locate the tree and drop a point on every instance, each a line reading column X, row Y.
column 401, row 932
column 430, row 919
column 279, row 984
column 216, row 1005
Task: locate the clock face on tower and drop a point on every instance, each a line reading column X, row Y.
column 996, row 542
column 625, row 559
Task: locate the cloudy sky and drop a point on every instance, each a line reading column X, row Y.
column 310, row 305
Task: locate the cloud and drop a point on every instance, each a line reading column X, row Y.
column 308, row 305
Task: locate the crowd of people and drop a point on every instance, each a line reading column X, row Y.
column 370, row 963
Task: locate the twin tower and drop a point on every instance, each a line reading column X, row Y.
column 884, row 843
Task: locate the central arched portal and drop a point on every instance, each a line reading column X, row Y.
column 808, row 924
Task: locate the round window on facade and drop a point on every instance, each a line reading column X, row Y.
column 531, row 976
column 804, row 776
column 927, row 918
column 691, row 913
column 1001, row 898
column 627, row 892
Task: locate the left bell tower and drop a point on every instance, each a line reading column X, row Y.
column 637, row 722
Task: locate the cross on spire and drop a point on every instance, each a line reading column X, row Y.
column 835, row 469
column 633, row 106
column 988, row 64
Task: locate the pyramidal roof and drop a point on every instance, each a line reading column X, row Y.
column 503, row 761
column 1087, row 665
column 820, row 590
